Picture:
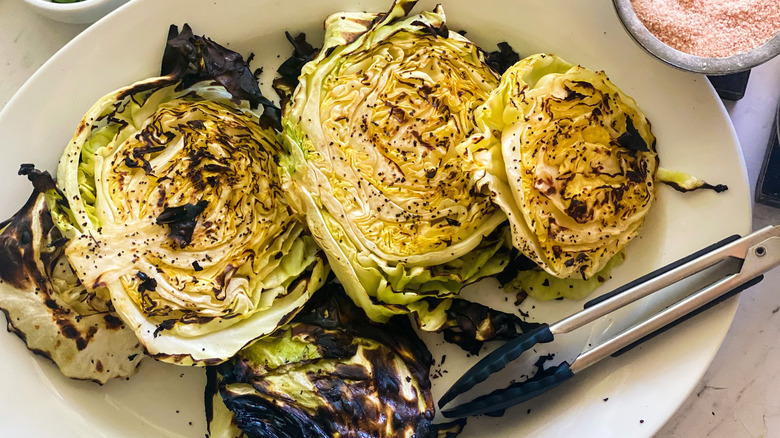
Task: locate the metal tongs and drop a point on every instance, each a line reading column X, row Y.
column 759, row 252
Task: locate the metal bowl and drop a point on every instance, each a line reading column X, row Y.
column 697, row 64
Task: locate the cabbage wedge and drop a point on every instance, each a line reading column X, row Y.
column 175, row 207
column 330, row 372
column 50, row 310
column 570, row 159
column 372, row 130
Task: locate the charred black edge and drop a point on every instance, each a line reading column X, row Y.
column 19, row 268
column 41, row 179
column 503, row 58
column 148, row 85
column 450, row 429
column 181, row 358
column 42, row 182
column 718, row 188
column 442, row 31
column 396, row 333
column 631, row 139
column 192, row 58
column 40, row 282
column 211, row 390
column 407, row 7
column 351, row 37
column 249, row 408
column 284, row 90
column 11, row 328
column 174, row 63
column 290, row 70
column 517, row 264
column 303, row 52
column 470, row 325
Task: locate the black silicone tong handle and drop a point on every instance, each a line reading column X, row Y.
column 500, row 399
column 497, row 360
column 547, row 379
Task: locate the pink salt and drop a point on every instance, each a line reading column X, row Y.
column 710, row 28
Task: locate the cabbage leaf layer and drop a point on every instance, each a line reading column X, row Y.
column 46, row 305
column 331, row 372
column 570, row 159
column 176, row 209
column 372, row 130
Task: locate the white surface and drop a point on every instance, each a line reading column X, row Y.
column 737, row 398
column 80, row 12
column 743, row 368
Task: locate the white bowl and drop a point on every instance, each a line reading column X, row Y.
column 81, row 12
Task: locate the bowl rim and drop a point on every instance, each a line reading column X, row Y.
column 684, row 61
column 52, row 6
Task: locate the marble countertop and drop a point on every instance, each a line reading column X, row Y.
column 737, row 396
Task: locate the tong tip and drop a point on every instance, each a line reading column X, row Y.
column 495, row 361
column 496, row 402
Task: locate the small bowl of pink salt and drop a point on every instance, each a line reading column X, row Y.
column 713, row 37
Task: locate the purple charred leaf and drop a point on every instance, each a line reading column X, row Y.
column 503, row 58
column 303, row 52
column 42, row 180
column 181, row 221
column 193, row 58
column 174, row 62
column 469, row 325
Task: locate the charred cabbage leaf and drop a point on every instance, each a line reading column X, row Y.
column 683, row 182
column 500, row 60
column 372, row 131
column 330, row 373
column 47, row 307
column 571, row 160
column 193, row 58
column 469, row 325
column 176, row 210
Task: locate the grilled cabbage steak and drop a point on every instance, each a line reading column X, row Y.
column 570, row 159
column 331, row 372
column 372, row 130
column 46, row 305
column 176, row 209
